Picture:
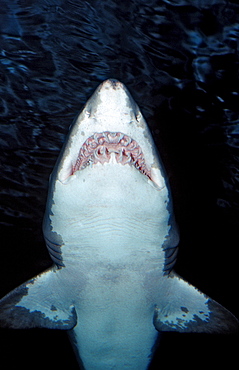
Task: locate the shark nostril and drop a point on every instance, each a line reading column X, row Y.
column 138, row 117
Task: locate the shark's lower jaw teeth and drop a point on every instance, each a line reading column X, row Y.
column 100, row 146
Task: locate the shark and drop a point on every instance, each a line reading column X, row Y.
column 111, row 233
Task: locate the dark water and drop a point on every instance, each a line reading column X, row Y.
column 179, row 59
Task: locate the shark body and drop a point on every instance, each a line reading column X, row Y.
column 110, row 230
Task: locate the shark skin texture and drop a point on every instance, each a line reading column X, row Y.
column 110, row 231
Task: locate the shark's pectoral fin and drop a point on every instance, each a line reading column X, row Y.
column 37, row 303
column 186, row 309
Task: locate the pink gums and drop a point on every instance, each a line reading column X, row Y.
column 98, row 148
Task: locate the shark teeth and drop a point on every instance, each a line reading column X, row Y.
column 100, row 146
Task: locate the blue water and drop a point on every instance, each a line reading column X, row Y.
column 179, row 60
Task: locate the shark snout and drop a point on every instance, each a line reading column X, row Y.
column 112, row 83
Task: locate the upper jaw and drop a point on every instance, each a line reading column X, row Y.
column 110, row 109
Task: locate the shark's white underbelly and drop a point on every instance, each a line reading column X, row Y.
column 115, row 320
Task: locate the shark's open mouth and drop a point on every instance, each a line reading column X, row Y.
column 100, row 146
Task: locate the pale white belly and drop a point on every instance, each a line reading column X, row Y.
column 115, row 320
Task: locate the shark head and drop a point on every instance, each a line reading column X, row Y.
column 110, row 123
column 110, row 157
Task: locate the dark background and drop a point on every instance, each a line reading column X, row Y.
column 179, row 59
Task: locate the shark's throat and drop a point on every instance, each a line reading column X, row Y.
column 100, row 146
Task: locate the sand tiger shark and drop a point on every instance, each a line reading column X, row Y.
column 110, row 231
